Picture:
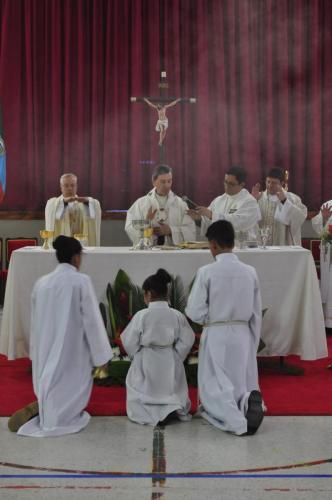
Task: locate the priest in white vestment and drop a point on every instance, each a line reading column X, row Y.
column 282, row 212
column 158, row 339
column 321, row 223
column 226, row 300
column 70, row 214
column 68, row 339
column 236, row 205
column 166, row 211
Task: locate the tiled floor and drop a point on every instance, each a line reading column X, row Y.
column 183, row 460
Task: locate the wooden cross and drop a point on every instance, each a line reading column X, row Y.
column 161, row 104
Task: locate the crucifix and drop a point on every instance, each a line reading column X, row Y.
column 161, row 104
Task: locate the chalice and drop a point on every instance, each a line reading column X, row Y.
column 143, row 226
column 241, row 237
column 45, row 235
column 265, row 234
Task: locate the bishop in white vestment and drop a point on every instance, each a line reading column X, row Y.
column 70, row 214
column 321, row 223
column 166, row 211
column 68, row 339
column 226, row 300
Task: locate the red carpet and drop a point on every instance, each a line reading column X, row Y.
column 309, row 394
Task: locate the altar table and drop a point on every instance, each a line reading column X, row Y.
column 293, row 323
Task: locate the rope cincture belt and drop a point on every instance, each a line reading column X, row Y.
column 158, row 346
column 227, row 322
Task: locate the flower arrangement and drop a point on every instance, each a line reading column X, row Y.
column 124, row 299
column 327, row 235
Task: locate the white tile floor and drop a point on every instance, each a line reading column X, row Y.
column 41, row 468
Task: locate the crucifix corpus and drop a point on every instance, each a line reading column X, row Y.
column 161, row 104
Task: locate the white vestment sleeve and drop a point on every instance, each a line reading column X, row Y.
column 245, row 217
column 94, row 219
column 255, row 322
column 61, row 209
column 32, row 341
column 197, row 306
column 94, row 329
column 90, row 207
column 317, row 223
column 132, row 214
column 50, row 211
column 186, row 231
column 292, row 213
column 185, row 339
column 131, row 336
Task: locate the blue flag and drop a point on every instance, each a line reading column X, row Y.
column 2, row 164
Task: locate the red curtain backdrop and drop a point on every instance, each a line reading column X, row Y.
column 259, row 69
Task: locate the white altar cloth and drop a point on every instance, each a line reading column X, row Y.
column 293, row 323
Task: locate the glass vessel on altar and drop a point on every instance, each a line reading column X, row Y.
column 46, row 235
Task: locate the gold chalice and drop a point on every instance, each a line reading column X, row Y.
column 45, row 234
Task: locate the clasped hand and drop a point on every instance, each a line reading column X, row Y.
column 162, row 229
column 199, row 212
column 80, row 199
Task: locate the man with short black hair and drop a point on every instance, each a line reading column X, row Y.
column 282, row 212
column 166, row 211
column 226, row 300
column 236, row 205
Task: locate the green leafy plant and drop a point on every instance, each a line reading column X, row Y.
column 177, row 297
column 124, row 300
column 327, row 237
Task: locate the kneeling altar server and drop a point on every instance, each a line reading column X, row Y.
column 158, row 339
column 68, row 339
column 226, row 299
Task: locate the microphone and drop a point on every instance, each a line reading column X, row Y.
column 191, row 204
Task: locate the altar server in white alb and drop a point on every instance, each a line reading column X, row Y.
column 282, row 212
column 321, row 223
column 166, row 211
column 158, row 339
column 236, row 205
column 68, row 339
column 226, row 300
column 70, row 214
